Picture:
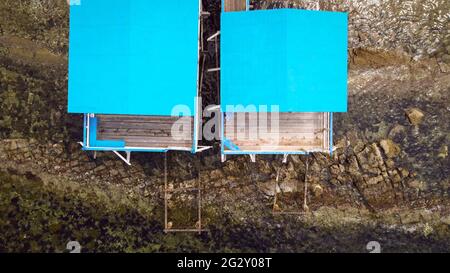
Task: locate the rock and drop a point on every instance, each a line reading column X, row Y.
column 375, row 180
column 343, row 179
column 414, row 115
column 446, row 58
column 315, row 167
column 395, row 177
column 390, row 163
column 417, row 184
column 147, row 193
column 268, row 188
column 445, row 68
column 396, row 131
column 216, row 174
column 276, row 207
column 446, row 220
column 334, row 181
column 443, row 152
column 100, row 168
column 296, row 159
column 126, row 180
column 169, row 225
column 353, row 167
column 403, row 172
column 430, row 216
column 317, row 190
column 288, row 186
column 446, row 184
column 359, row 147
column 334, row 170
column 13, row 145
column 290, row 167
column 341, row 145
column 390, row 148
column 377, row 158
column 411, row 217
column 427, row 230
column 113, row 172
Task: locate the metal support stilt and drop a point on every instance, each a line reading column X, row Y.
column 199, row 223
column 276, row 208
column 127, row 159
column 305, row 202
column 165, row 192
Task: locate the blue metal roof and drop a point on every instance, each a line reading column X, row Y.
column 133, row 57
column 296, row 59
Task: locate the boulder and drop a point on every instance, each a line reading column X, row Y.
column 414, row 115
column 446, row 220
column 445, row 68
column 390, row 148
column 397, row 130
column 417, row 184
column 317, row 190
column 288, row 186
column 443, row 152
column 353, row 167
column 410, row 217
column 375, row 180
column 403, row 172
column 335, row 170
column 269, row 188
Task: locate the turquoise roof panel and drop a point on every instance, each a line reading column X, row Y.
column 134, row 57
column 294, row 59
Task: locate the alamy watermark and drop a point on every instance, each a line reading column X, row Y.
column 73, row 247
column 373, row 247
column 248, row 122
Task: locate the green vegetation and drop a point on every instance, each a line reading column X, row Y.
column 43, row 217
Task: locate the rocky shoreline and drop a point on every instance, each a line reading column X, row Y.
column 388, row 179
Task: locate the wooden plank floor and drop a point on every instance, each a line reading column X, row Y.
column 235, row 5
column 292, row 132
column 146, row 131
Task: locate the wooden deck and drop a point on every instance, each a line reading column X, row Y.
column 295, row 131
column 146, row 131
column 235, row 5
